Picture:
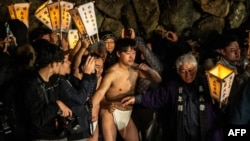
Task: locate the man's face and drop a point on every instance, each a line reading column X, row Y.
column 65, row 66
column 188, row 72
column 128, row 57
column 110, row 45
column 102, row 52
column 98, row 67
column 232, row 53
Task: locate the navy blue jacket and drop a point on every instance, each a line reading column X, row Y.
column 76, row 94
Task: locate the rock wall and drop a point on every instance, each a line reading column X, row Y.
column 146, row 16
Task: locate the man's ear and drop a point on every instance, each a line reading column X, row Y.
column 54, row 64
column 222, row 51
column 118, row 54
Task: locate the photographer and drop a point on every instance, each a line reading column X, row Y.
column 76, row 89
column 42, row 106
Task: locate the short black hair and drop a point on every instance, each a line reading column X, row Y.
column 47, row 53
column 122, row 44
column 38, row 32
column 225, row 39
column 84, row 58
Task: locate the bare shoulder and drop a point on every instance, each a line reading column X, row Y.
column 110, row 74
column 112, row 71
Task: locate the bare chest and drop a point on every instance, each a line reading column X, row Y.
column 123, row 85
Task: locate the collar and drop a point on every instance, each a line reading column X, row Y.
column 226, row 63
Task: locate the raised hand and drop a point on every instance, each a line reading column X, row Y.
column 143, row 67
column 89, row 66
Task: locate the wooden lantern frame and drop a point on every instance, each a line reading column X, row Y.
column 220, row 79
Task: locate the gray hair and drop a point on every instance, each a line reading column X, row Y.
column 185, row 59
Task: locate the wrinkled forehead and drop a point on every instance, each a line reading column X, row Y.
column 187, row 66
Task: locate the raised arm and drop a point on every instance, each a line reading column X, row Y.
column 78, row 58
column 147, row 72
column 75, row 50
column 149, row 56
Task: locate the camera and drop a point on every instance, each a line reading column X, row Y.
column 74, row 123
column 64, row 125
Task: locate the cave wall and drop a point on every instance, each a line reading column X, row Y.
column 145, row 16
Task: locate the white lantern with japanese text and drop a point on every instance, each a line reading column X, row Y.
column 85, row 20
column 220, row 80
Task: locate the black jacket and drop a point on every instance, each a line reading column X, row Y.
column 76, row 94
column 41, row 109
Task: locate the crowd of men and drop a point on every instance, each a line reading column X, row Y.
column 120, row 88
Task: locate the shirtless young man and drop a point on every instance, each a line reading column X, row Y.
column 119, row 81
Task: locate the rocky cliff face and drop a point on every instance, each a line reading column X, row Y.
column 146, row 16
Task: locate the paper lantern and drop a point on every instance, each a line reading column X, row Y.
column 42, row 14
column 55, row 15
column 220, row 80
column 78, row 21
column 20, row 11
column 73, row 38
column 85, row 20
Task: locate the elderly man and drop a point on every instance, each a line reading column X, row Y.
column 190, row 114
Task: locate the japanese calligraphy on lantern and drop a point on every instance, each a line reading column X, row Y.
column 226, row 87
column 87, row 14
column 65, row 16
column 42, row 14
column 77, row 20
column 73, row 38
column 214, row 87
column 54, row 14
column 20, row 11
column 220, row 79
